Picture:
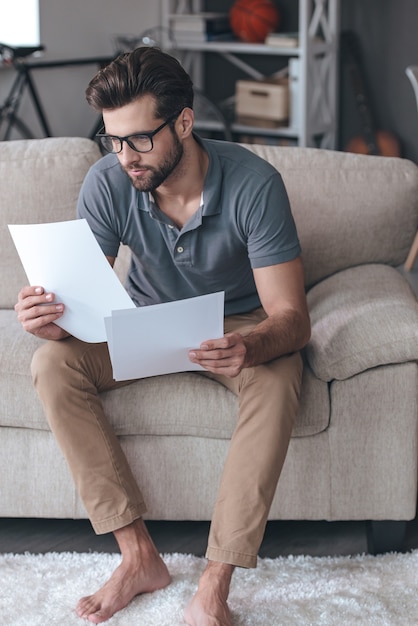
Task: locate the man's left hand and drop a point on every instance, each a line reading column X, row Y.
column 221, row 356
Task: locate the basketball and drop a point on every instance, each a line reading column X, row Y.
column 252, row 20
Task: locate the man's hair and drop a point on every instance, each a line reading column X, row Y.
column 144, row 71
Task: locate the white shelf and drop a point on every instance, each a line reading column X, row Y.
column 280, row 131
column 247, row 48
column 235, row 47
column 317, row 76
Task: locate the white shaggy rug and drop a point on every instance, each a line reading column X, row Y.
column 290, row 591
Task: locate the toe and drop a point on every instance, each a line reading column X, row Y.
column 86, row 606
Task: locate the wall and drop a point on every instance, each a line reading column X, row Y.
column 78, row 29
column 387, row 33
column 388, row 42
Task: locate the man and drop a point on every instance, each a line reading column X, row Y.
column 200, row 216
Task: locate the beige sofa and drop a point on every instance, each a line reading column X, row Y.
column 354, row 452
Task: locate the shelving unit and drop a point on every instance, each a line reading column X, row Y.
column 315, row 121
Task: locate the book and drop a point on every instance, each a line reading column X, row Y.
column 213, row 23
column 286, row 40
column 187, row 37
column 282, row 40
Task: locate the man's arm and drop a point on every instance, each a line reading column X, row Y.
column 286, row 329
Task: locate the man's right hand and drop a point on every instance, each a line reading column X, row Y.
column 37, row 311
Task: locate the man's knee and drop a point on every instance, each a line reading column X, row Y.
column 55, row 359
column 273, row 389
column 278, row 376
column 71, row 361
column 45, row 360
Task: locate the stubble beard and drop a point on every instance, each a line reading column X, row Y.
column 158, row 175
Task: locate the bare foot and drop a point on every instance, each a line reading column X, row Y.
column 141, row 571
column 209, row 607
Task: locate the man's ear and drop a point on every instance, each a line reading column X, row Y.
column 185, row 122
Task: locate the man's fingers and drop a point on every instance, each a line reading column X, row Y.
column 32, row 297
column 29, row 290
column 35, row 323
column 227, row 341
column 40, row 311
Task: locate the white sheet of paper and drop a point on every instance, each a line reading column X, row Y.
column 65, row 258
column 155, row 339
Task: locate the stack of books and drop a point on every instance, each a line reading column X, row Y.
column 200, row 27
column 282, row 40
column 287, row 40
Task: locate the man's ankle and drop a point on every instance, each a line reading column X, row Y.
column 134, row 541
column 217, row 573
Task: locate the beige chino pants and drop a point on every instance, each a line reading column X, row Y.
column 70, row 374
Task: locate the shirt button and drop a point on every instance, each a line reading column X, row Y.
column 180, row 249
column 171, row 226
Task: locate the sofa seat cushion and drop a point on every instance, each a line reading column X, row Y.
column 362, row 317
column 190, row 404
column 178, row 404
column 19, row 403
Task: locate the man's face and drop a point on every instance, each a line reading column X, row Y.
column 147, row 170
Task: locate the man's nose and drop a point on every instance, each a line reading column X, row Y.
column 128, row 155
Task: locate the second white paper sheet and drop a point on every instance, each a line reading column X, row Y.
column 156, row 339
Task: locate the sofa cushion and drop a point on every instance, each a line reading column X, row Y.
column 19, row 403
column 52, row 171
column 178, row 404
column 361, row 318
column 350, row 209
column 191, row 404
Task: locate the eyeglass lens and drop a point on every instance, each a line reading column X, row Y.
column 140, row 143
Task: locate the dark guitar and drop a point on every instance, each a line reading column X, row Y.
column 371, row 140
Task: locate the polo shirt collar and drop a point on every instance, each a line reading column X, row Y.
column 210, row 200
column 213, row 180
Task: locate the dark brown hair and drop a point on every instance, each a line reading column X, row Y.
column 146, row 70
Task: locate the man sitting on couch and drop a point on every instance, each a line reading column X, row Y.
column 200, row 216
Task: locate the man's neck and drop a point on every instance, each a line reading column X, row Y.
column 180, row 196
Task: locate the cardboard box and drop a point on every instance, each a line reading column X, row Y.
column 266, row 100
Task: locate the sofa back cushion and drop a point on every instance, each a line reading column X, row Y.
column 349, row 209
column 40, row 182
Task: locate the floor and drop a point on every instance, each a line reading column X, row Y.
column 281, row 538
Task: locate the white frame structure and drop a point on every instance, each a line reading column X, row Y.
column 317, row 52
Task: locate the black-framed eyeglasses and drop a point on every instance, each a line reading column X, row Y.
column 140, row 142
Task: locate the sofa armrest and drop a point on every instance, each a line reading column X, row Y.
column 362, row 317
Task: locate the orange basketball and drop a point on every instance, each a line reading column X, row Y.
column 252, row 20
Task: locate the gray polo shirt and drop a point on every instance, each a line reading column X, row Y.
column 244, row 222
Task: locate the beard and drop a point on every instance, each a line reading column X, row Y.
column 157, row 175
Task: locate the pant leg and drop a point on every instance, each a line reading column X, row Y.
column 268, row 401
column 68, row 376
